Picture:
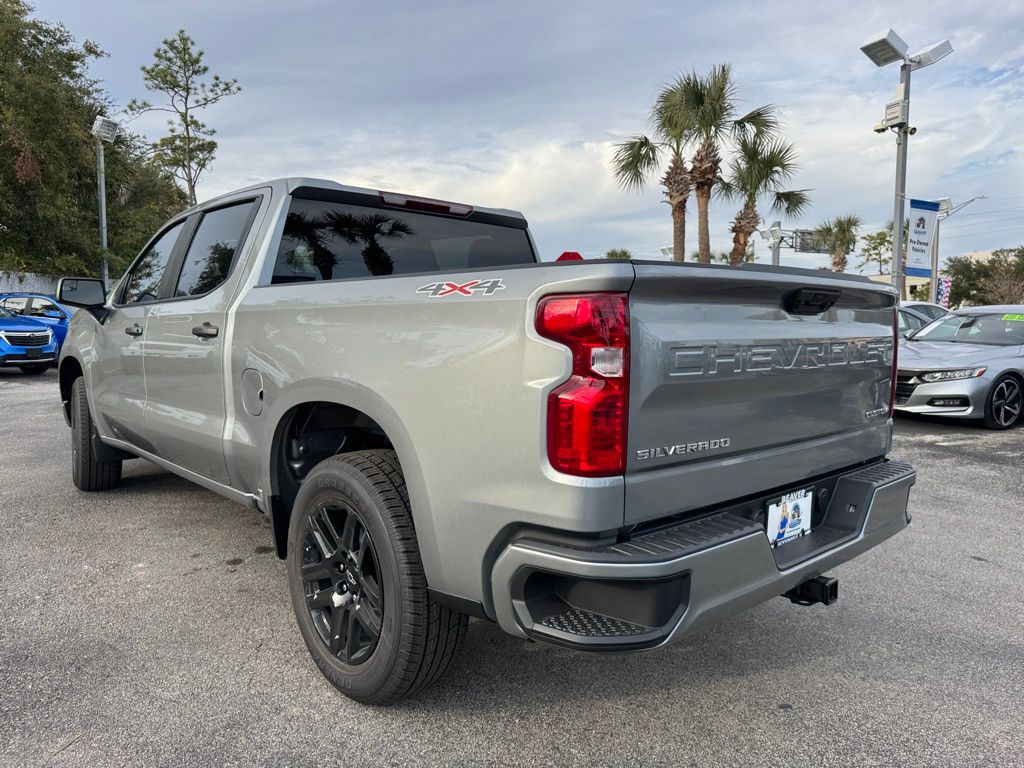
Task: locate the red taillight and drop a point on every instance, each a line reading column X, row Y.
column 587, row 414
column 895, row 350
column 569, row 256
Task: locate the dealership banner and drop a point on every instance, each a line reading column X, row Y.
column 923, row 214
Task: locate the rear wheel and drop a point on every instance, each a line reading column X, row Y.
column 357, row 582
column 87, row 472
column 1005, row 403
column 35, row 369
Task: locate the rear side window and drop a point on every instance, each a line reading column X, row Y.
column 143, row 282
column 45, row 308
column 334, row 241
column 214, row 247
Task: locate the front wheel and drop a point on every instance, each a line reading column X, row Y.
column 357, row 582
column 87, row 472
column 1005, row 403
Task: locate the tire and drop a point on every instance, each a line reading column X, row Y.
column 36, row 369
column 353, row 565
column 1004, row 403
column 87, row 472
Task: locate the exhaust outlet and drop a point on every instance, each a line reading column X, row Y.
column 820, row 589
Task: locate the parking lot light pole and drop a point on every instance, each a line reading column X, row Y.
column 883, row 50
column 105, row 130
column 946, row 209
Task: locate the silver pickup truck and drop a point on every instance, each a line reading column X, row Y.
column 602, row 455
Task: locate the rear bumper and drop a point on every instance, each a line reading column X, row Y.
column 648, row 591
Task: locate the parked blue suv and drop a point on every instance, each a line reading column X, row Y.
column 41, row 308
column 28, row 344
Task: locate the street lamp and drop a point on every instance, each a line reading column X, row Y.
column 946, row 209
column 774, row 237
column 883, row 50
column 105, row 130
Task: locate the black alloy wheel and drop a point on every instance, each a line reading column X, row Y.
column 358, row 585
column 342, row 582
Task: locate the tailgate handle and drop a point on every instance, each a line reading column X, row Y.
column 809, row 301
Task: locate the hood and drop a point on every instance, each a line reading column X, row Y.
column 919, row 355
column 22, row 324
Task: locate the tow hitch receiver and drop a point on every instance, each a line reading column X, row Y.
column 820, row 589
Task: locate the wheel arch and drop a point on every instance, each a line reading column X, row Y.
column 357, row 409
column 70, row 368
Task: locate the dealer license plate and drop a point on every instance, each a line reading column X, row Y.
column 789, row 517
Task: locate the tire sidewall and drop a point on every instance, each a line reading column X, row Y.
column 990, row 418
column 77, row 395
column 334, row 483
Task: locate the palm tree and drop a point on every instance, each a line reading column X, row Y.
column 757, row 173
column 640, row 157
column 618, row 253
column 709, row 104
column 838, row 235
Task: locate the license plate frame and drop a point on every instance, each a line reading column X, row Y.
column 788, row 517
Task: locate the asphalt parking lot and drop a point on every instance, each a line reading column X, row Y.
column 151, row 625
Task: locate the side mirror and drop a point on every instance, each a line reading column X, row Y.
column 85, row 292
column 53, row 315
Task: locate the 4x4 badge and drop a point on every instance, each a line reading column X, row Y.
column 447, row 288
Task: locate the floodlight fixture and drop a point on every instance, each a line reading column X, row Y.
column 931, row 54
column 885, row 49
column 104, row 129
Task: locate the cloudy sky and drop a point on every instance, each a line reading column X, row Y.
column 519, row 105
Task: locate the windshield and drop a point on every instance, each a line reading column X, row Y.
column 997, row 329
column 5, row 313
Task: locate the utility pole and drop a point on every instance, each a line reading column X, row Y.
column 101, row 184
column 883, row 50
column 902, row 134
column 105, row 130
column 946, row 209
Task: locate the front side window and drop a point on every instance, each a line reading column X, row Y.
column 143, row 282
column 333, row 241
column 213, row 249
column 15, row 304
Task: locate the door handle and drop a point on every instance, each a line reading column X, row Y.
column 205, row 331
column 134, row 330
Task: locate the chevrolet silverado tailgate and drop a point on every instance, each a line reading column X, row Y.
column 745, row 379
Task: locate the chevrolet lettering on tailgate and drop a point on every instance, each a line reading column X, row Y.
column 727, row 359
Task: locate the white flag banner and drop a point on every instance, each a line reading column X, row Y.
column 923, row 214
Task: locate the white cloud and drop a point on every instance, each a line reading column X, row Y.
column 519, row 106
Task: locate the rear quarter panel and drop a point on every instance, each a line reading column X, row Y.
column 459, row 385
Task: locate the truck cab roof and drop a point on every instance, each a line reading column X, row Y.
column 287, row 185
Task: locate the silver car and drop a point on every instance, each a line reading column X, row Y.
column 969, row 365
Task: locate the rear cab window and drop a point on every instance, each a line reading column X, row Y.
column 336, row 241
